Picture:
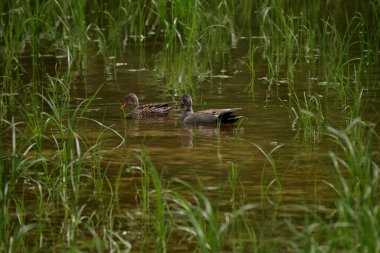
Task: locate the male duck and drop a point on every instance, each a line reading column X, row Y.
column 147, row 110
column 206, row 117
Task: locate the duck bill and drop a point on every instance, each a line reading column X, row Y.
column 124, row 105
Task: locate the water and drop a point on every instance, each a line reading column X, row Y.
column 203, row 153
column 204, row 156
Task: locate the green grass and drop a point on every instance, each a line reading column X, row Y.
column 55, row 186
column 307, row 117
column 353, row 226
column 195, row 215
column 58, row 178
column 251, row 66
column 186, row 212
column 271, row 183
column 154, row 204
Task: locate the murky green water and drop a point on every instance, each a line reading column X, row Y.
column 204, row 156
column 203, row 153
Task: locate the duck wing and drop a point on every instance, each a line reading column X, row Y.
column 155, row 105
column 225, row 115
column 217, row 112
column 211, row 116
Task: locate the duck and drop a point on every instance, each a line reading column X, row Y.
column 146, row 110
column 206, row 117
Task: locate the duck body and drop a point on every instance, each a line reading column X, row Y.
column 206, row 117
column 146, row 110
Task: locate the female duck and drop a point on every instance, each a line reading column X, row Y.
column 146, row 110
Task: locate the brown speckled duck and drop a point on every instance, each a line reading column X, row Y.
column 206, row 117
column 147, row 110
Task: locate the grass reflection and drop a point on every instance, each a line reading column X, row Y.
column 60, row 186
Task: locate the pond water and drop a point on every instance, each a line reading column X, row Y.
column 204, row 156
column 204, row 153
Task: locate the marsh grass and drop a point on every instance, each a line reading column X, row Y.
column 353, row 226
column 347, row 72
column 281, row 41
column 271, row 182
column 12, row 168
column 308, row 117
column 251, row 66
column 55, row 189
column 154, row 204
column 46, row 166
column 194, row 214
column 182, row 71
column 181, row 210
column 243, row 232
column 201, row 30
column 292, row 40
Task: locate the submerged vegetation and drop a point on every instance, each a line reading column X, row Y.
column 56, row 188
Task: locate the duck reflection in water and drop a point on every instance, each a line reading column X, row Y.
column 189, row 134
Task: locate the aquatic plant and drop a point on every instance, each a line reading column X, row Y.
column 353, row 226
column 308, row 116
column 154, row 203
column 269, row 189
column 251, row 66
column 196, row 216
column 189, row 213
column 56, row 177
column 58, row 187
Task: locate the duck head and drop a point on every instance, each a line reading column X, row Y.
column 131, row 99
column 186, row 101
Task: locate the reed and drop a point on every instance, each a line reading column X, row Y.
column 251, row 66
column 54, row 180
column 268, row 193
column 77, row 41
column 280, row 42
column 308, row 117
column 194, row 214
column 242, row 228
column 68, row 165
column 161, row 221
column 13, row 42
column 182, row 70
column 339, row 71
column 8, row 180
column 233, row 178
column 353, row 226
column 59, row 176
column 188, row 212
column 308, row 39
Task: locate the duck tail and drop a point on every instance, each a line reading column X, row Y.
column 230, row 118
